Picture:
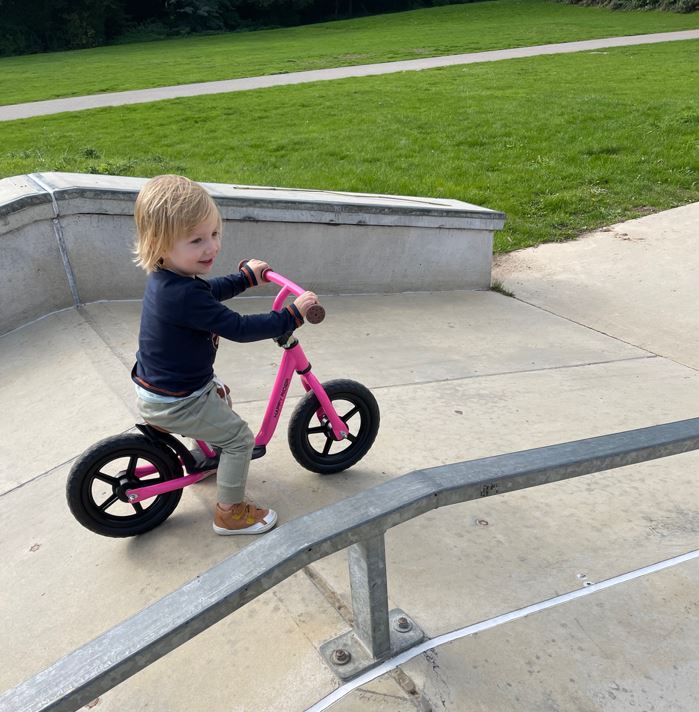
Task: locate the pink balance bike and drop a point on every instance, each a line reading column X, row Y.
column 128, row 484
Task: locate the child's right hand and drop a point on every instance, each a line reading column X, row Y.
column 304, row 302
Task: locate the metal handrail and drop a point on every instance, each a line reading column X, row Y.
column 139, row 641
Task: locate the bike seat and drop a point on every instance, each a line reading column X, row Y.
column 156, row 427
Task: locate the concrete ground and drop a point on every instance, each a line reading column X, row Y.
column 600, row 337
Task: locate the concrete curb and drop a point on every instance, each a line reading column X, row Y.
column 66, row 239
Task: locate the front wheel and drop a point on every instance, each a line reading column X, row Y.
column 99, row 478
column 311, row 438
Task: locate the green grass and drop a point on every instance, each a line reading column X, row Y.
column 562, row 144
column 409, row 35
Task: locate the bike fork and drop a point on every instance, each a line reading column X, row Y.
column 294, row 360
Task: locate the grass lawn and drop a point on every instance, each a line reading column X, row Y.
column 454, row 29
column 562, row 144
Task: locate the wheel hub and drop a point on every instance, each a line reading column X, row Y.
column 125, row 484
column 329, row 432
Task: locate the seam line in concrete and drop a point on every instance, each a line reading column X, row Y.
column 604, row 333
column 12, row 112
column 490, row 623
column 329, row 594
column 482, row 375
column 58, row 233
column 280, row 600
column 52, row 469
column 290, row 399
column 34, row 321
column 103, row 337
column 510, row 373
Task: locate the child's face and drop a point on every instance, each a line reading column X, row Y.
column 196, row 252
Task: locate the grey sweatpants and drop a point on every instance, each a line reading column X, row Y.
column 209, row 417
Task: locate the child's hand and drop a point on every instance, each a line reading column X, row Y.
column 305, row 302
column 258, row 267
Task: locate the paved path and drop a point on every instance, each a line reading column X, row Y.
column 140, row 96
column 635, row 280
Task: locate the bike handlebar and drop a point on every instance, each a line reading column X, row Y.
column 314, row 314
column 269, row 275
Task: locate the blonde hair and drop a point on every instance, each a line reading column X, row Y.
column 167, row 209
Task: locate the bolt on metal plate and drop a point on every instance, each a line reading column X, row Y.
column 402, row 624
column 356, row 658
column 341, row 656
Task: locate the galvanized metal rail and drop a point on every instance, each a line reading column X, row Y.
column 358, row 522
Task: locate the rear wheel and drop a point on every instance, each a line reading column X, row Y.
column 97, row 484
column 311, row 438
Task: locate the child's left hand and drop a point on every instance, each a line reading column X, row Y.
column 258, row 267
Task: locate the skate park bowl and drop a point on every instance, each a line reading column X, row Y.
column 540, row 553
column 67, row 239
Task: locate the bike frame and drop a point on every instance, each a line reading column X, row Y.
column 293, row 360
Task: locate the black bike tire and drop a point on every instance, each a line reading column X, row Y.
column 81, row 476
column 304, row 412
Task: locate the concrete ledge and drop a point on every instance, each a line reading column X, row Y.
column 66, row 238
column 22, row 202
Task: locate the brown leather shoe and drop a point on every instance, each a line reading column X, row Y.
column 244, row 518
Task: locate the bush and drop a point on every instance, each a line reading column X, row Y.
column 675, row 5
column 49, row 25
column 40, row 26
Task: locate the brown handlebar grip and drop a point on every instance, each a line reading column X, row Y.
column 243, row 263
column 315, row 314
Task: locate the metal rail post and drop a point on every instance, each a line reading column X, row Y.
column 377, row 633
column 367, row 569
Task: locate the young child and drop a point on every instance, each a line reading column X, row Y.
column 179, row 237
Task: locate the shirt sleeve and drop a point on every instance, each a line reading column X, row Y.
column 201, row 310
column 229, row 286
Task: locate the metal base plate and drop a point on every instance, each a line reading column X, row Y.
column 359, row 658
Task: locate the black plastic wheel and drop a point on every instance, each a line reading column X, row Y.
column 310, row 434
column 100, row 476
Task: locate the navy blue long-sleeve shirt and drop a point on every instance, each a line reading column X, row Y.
column 181, row 322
